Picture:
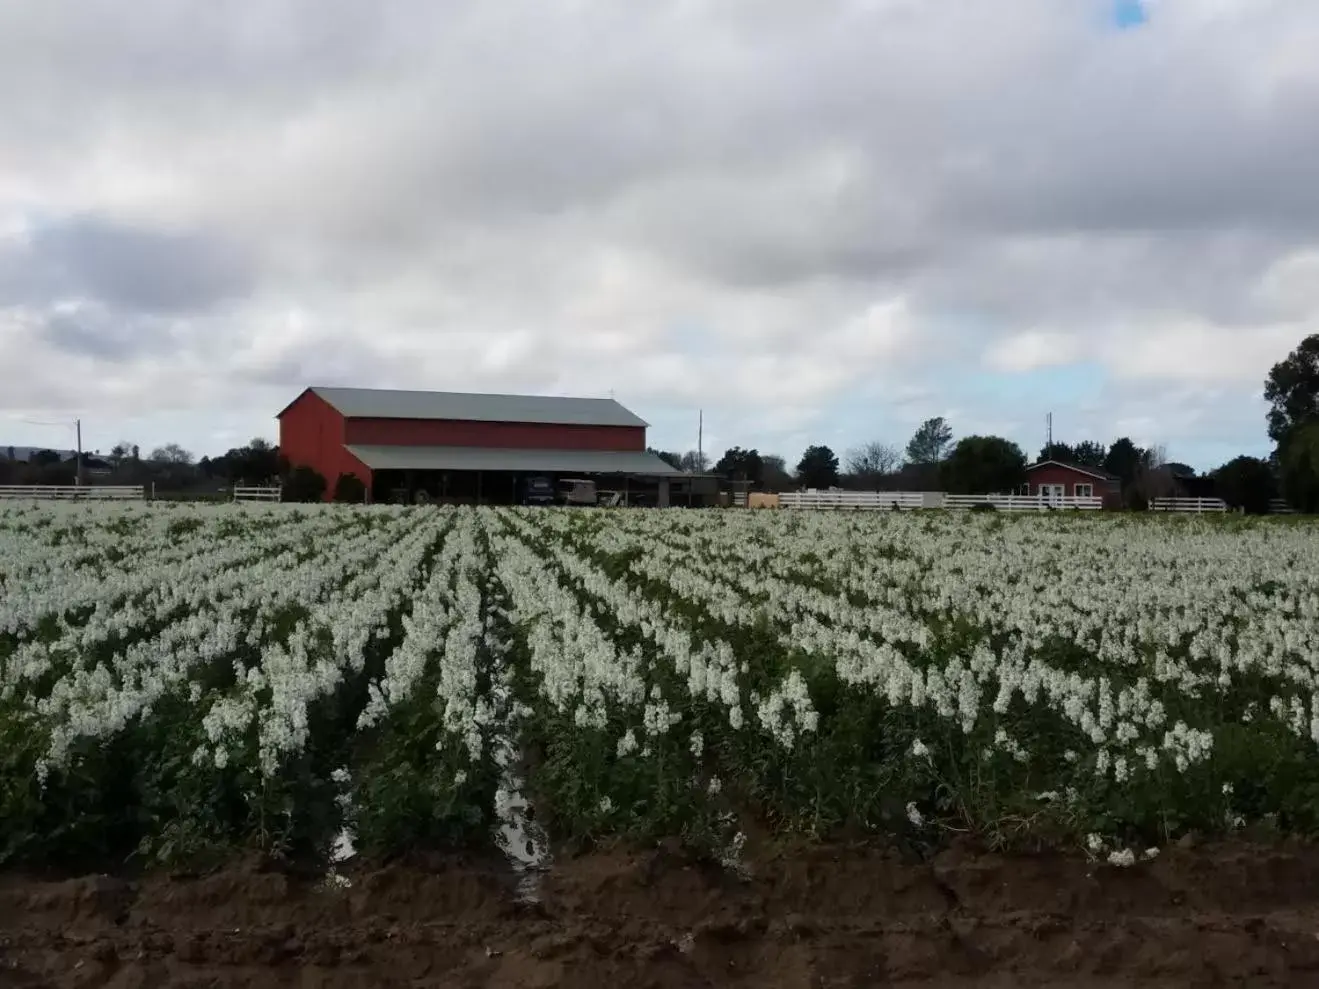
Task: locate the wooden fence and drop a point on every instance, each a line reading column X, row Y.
column 878, row 500
column 1279, row 506
column 1024, row 503
column 85, row 492
column 257, row 494
column 1188, row 505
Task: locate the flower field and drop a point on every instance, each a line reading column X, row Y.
column 179, row 682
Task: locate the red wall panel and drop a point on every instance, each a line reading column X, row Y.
column 311, row 434
column 1058, row 474
column 505, row 435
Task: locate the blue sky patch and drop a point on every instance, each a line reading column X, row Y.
column 1129, row 13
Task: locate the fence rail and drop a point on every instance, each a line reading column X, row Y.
column 86, row 492
column 875, row 500
column 1024, row 503
column 1188, row 505
column 854, row 499
column 1279, row 506
column 257, row 494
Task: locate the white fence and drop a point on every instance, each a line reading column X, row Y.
column 257, row 494
column 856, row 499
column 1279, row 506
column 875, row 500
column 1023, row 503
column 1188, row 505
column 86, row 492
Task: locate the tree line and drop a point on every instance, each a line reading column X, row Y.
column 980, row 464
column 930, row 460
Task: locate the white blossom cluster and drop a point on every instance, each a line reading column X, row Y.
column 1137, row 639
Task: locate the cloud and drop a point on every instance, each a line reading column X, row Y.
column 799, row 216
column 131, row 269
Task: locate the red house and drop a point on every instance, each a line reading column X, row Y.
column 1055, row 479
column 460, row 446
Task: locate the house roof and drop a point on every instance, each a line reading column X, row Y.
column 1103, row 475
column 380, row 403
column 496, row 459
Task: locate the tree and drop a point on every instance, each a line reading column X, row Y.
column 694, row 462
column 1058, row 451
column 674, row 460
column 1088, row 453
column 304, row 484
column 774, row 474
column 170, row 453
column 44, row 458
column 121, row 452
column 818, row 468
column 1292, row 390
column 740, row 465
column 1246, row 483
column 1124, row 460
column 349, row 489
column 1299, row 466
column 873, row 460
column 136, row 453
column 984, row 465
column 929, row 445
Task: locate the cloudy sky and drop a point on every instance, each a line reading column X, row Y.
column 817, row 220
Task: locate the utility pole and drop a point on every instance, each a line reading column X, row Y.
column 1048, row 443
column 77, row 423
column 700, row 439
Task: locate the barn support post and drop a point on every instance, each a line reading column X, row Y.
column 663, row 499
column 478, row 487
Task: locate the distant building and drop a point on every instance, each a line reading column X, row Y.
column 470, row 447
column 1059, row 479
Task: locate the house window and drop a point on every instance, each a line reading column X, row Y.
column 1085, row 490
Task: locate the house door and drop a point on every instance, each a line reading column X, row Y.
column 1052, row 494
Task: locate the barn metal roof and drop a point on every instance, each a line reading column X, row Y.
column 495, row 459
column 379, row 403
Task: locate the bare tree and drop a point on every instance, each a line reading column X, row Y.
column 694, row 462
column 170, row 453
column 873, row 460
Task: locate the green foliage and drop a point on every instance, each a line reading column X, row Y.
column 1246, row 483
column 930, row 442
column 1292, row 390
column 349, row 489
column 1299, row 462
column 740, row 465
column 984, row 465
column 818, row 468
column 304, row 484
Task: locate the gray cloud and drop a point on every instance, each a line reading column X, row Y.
column 773, row 206
column 122, row 267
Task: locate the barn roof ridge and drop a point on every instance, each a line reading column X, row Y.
column 391, row 403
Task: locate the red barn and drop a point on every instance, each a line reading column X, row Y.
column 459, row 446
column 1057, row 479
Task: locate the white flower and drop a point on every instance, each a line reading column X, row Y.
column 914, row 815
column 1122, row 859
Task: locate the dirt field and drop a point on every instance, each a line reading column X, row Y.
column 1213, row 916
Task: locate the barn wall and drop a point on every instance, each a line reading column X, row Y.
column 311, row 434
column 504, row 435
column 1057, row 474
